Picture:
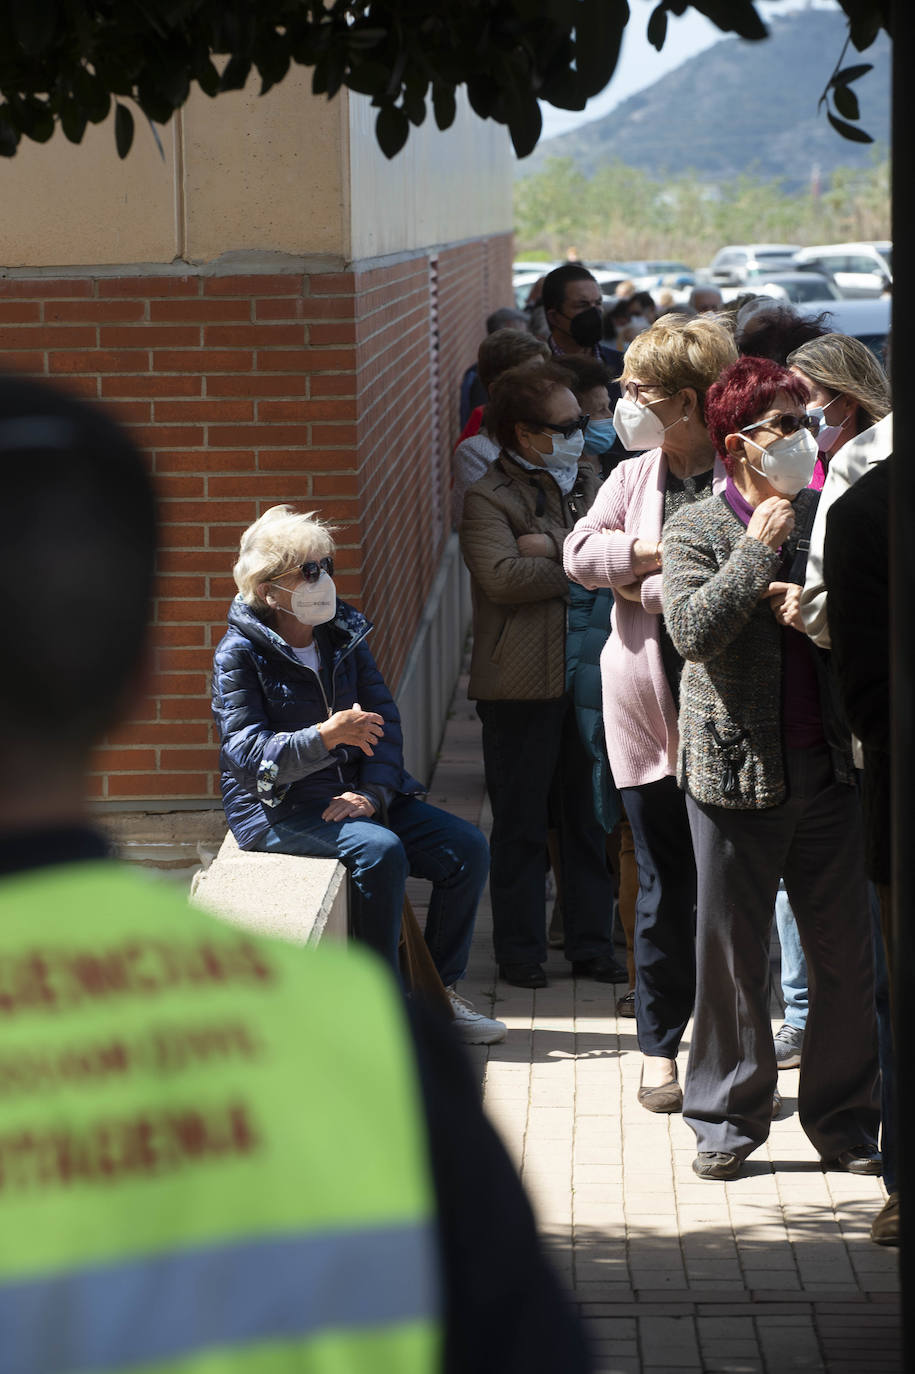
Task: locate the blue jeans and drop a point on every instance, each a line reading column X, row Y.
column 418, row 840
column 795, row 991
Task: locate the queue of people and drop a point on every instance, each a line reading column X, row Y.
column 723, row 729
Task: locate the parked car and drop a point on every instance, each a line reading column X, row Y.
column 867, row 320
column 793, row 286
column 859, row 269
column 730, row 265
column 657, row 272
column 524, row 276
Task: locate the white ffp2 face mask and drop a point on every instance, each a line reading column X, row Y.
column 826, row 434
column 788, row 464
column 313, row 603
column 637, row 426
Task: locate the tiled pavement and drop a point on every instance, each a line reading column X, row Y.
column 769, row 1273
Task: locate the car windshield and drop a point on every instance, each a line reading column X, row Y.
column 816, row 289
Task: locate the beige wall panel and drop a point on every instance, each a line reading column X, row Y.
column 442, row 187
column 67, row 204
column 265, row 173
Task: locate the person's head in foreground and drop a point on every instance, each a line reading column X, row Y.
column 590, row 381
column 705, row 300
column 534, row 415
column 506, row 348
column 849, row 390
column 668, row 371
column 78, row 545
column 572, row 300
column 757, row 418
column 285, row 571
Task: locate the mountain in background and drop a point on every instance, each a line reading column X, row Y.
column 740, row 107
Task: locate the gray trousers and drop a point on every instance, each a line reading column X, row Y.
column 814, row 841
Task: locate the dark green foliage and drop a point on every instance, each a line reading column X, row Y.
column 62, row 61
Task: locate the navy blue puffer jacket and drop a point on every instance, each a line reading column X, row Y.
column 267, row 707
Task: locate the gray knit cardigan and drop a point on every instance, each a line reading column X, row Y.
column 731, row 750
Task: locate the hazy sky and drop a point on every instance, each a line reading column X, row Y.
column 640, row 64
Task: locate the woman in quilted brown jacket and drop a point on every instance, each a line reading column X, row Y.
column 516, row 518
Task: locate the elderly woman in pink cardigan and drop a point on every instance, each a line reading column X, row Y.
column 619, row 544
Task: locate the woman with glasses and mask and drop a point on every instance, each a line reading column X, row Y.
column 767, row 797
column 620, row 544
column 514, row 523
column 311, row 752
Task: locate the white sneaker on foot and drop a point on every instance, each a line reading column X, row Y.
column 472, row 1026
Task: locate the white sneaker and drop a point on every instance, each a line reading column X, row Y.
column 472, row 1026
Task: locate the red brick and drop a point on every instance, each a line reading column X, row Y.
column 20, row 312
column 284, row 460
column 78, row 385
column 201, row 460
column 96, row 360
column 280, row 308
column 232, row 436
column 170, row 436
column 184, row 759
column 151, row 385
column 98, row 312
column 94, row 786
column 44, row 288
column 273, row 384
column 196, row 560
column 284, row 436
column 178, row 486
column 177, row 660
column 203, row 360
column 148, row 286
column 129, row 412
column 257, row 485
column 22, row 362
column 164, row 732
column 149, row 335
column 112, row 760
column 187, row 708
column 339, row 333
column 332, row 284
column 223, row 587
column 347, row 510
column 203, row 411
column 203, row 310
column 336, row 484
column 226, row 537
column 334, row 434
column 210, row 512
column 180, row 587
column 306, row 360
column 254, row 336
column 139, row 785
column 271, row 411
column 48, row 336
column 280, row 284
column 333, row 384
column 179, row 536
column 178, row 684
column 330, row 307
column 186, row 636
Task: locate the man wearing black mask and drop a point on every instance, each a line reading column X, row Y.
column 573, row 304
column 572, row 301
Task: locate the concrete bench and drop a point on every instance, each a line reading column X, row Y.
column 303, row 900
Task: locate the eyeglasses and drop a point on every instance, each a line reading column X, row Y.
column 312, row 570
column 565, row 430
column 786, row 424
column 631, row 389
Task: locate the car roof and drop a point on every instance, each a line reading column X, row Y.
column 881, row 245
column 851, row 316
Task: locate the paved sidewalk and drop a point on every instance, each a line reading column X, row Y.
column 770, row 1273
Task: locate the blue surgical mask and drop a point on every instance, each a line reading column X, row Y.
column 599, row 436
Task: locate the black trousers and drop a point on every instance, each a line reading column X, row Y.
column 665, row 924
column 527, row 747
column 814, row 841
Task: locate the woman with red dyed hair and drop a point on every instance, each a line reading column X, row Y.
column 768, row 796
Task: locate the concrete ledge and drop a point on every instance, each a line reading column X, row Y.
column 302, row 900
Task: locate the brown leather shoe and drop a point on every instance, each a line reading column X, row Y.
column 885, row 1225
column 663, row 1097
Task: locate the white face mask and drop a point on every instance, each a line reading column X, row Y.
column 788, row 464
column 313, row 603
column 639, row 322
column 827, row 434
column 639, row 427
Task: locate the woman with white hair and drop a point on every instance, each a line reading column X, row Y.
column 311, row 752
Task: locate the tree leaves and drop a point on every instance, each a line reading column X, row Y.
column 843, row 97
column 73, row 60
column 849, row 131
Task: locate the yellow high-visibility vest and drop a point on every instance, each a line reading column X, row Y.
column 212, row 1147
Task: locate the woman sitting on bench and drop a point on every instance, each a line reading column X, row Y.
column 312, row 759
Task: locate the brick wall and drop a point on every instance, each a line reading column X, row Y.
column 334, row 392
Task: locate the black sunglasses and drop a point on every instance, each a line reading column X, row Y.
column 787, row 424
column 311, row 570
column 565, row 430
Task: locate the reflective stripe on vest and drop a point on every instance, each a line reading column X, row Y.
column 212, row 1148
column 169, row 1307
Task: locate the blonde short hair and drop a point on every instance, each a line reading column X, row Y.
column 282, row 539
column 679, row 351
column 843, row 364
